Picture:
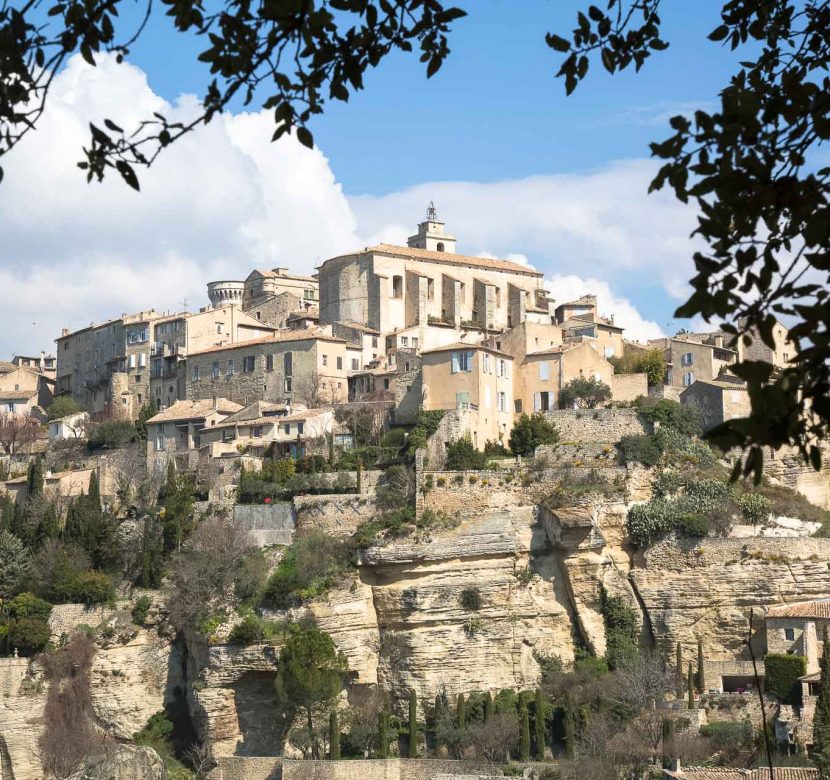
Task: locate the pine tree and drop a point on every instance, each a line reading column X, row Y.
column 821, row 719
column 690, row 679
column 701, row 670
column 460, row 712
column 524, row 730
column 106, row 555
column 34, row 479
column 539, row 725
column 681, row 683
column 413, row 724
column 334, row 737
column 488, row 706
column 568, row 728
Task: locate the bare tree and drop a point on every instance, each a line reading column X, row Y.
column 315, row 391
column 361, row 719
column 643, row 680
column 496, row 739
column 130, row 480
column 200, row 756
column 18, row 431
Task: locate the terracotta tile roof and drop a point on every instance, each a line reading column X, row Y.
column 711, row 773
column 466, row 346
column 358, row 326
column 254, row 411
column 446, row 258
column 194, row 410
column 279, row 337
column 273, row 274
column 6, row 367
column 17, row 395
column 273, row 419
column 557, row 350
column 801, row 609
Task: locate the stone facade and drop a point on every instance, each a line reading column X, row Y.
column 267, row 524
column 598, row 425
column 337, row 515
column 717, row 402
column 628, row 387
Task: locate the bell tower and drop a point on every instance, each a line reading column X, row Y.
column 431, row 234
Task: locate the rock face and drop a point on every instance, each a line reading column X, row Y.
column 123, row 762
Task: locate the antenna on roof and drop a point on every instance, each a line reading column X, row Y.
column 184, row 304
column 432, row 214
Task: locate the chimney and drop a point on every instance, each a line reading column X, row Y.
column 64, row 332
column 215, row 402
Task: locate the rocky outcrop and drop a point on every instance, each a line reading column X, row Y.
column 123, row 762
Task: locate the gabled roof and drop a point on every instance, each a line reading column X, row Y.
column 358, row 326
column 712, row 773
column 320, row 334
column 194, row 410
column 300, row 416
column 255, row 411
column 447, row 258
column 458, row 345
column 17, row 395
column 801, row 609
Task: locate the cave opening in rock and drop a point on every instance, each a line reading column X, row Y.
column 262, row 722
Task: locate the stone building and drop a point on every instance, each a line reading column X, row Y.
column 717, row 400
column 471, row 377
column 395, row 289
column 43, row 363
column 689, row 359
column 24, row 390
column 176, row 432
column 784, row 350
column 114, row 368
column 263, row 284
column 290, row 366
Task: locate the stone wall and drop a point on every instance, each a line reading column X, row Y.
column 667, row 392
column 267, row 523
column 454, row 424
column 246, row 768
column 627, row 387
column 598, row 425
column 384, row 769
column 338, row 515
column 787, row 467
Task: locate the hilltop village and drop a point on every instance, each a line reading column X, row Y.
column 408, row 517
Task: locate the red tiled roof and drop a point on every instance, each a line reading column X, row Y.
column 285, row 335
column 801, row 609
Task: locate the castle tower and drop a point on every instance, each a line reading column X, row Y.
column 431, row 234
column 225, row 293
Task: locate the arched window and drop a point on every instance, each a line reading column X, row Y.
column 440, row 246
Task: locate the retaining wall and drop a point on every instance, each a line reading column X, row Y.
column 338, row 515
column 598, row 425
column 267, row 523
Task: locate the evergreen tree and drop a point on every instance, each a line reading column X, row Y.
column 568, row 728
column 701, row 670
column 413, row 724
column 7, row 512
column 34, row 479
column 460, row 712
column 170, row 482
column 821, row 719
column 690, row 680
column 383, row 735
column 331, row 449
column 681, row 683
column 668, row 740
column 152, row 552
column 334, row 737
column 145, row 413
column 539, row 725
column 524, row 730
column 107, row 554
column 488, row 706
column 94, row 491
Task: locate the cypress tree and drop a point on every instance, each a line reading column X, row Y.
column 821, row 719
column 34, row 478
column 331, row 449
column 334, row 736
column 568, row 728
column 701, row 671
column 151, row 555
column 413, row 724
column 681, row 683
column 668, row 740
column 539, row 725
column 170, row 484
column 524, row 730
column 460, row 712
column 690, row 679
column 359, row 477
column 94, row 491
column 383, row 740
column 488, row 706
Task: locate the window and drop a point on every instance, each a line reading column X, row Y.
column 142, row 359
column 300, row 427
column 286, row 429
column 374, row 342
column 462, row 361
column 517, row 406
column 462, row 400
column 288, row 385
column 542, row 402
column 502, row 402
column 219, row 327
column 544, row 370
column 404, row 341
column 227, row 434
column 269, row 362
column 259, row 315
column 288, row 363
column 230, row 367
column 688, row 359
column 386, row 384
column 501, row 367
column 355, row 364
column 131, row 361
column 397, row 287
column 430, row 289
column 340, row 364
column 248, row 363
column 485, row 363
column 789, row 634
column 159, row 443
column 216, row 369
column 688, row 378
column 440, row 246
column 414, row 342
column 256, row 432
column 325, row 359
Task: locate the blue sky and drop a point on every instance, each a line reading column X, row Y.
column 516, row 168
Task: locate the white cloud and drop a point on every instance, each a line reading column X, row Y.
column 226, row 200
column 637, row 328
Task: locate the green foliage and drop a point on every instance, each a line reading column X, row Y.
column 253, row 630
column 470, row 599
column 539, row 709
column 277, row 482
column 60, row 574
column 111, row 434
column 426, row 423
column 159, row 734
column 524, row 731
column 413, row 724
column 584, row 393
column 91, row 587
column 573, row 485
column 308, row 568
column 62, row 406
column 620, row 629
column 394, row 438
column 140, row 610
column 147, row 411
column 529, row 432
column 651, row 362
column 463, row 456
column 27, row 635
column 671, row 414
column 151, row 554
column 27, row 605
column 397, row 488
column 727, row 734
column 821, row 718
column 641, row 449
column 755, row 507
column 34, row 478
column 14, row 563
column 782, row 673
column 334, row 736
column 177, row 521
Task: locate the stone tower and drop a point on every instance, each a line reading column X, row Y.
column 431, row 234
column 225, row 293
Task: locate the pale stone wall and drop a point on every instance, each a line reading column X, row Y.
column 598, row 425
column 628, row 387
column 338, row 515
column 787, row 466
column 267, row 523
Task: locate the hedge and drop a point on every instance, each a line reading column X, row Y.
column 782, row 672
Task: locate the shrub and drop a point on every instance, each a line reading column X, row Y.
column 693, row 525
column 248, row 632
column 62, row 406
column 671, row 414
column 312, row 464
column 394, row 438
column 92, row 587
column 620, row 629
column 640, row 449
column 530, row 432
column 463, row 456
column 28, row 635
column 755, row 507
column 727, row 734
column 584, row 393
column 111, row 434
column 470, row 599
column 140, row 610
column 27, row 605
column 782, row 673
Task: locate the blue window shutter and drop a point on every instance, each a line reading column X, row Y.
column 454, row 362
column 469, row 361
